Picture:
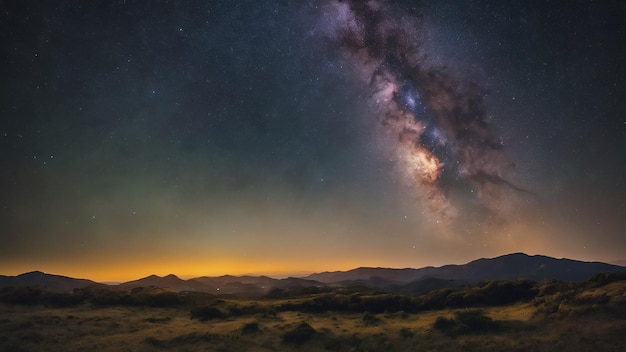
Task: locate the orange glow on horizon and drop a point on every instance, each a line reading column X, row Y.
column 123, row 272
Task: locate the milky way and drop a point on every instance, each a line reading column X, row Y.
column 447, row 144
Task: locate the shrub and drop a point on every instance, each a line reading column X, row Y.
column 370, row 319
column 445, row 325
column 475, row 321
column 154, row 342
column 406, row 333
column 63, row 300
column 207, row 313
column 606, row 278
column 107, row 297
column 466, row 322
column 22, row 295
column 250, row 328
column 160, row 299
column 435, row 299
column 300, row 334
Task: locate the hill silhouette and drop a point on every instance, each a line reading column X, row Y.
column 171, row 282
column 506, row 267
column 55, row 283
column 407, row 281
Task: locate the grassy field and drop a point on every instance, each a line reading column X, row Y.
column 560, row 317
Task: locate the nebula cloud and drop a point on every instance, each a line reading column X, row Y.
column 446, row 145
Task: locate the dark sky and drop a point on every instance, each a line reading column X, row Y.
column 284, row 137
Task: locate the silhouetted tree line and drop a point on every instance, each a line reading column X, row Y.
column 484, row 294
column 488, row 293
column 30, row 295
column 556, row 297
column 549, row 294
column 97, row 296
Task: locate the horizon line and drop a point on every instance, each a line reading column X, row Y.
column 302, row 274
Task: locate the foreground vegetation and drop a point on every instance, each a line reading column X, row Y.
column 491, row 316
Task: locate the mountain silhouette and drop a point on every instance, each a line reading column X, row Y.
column 171, row 282
column 56, row 283
column 506, row 267
column 414, row 281
column 246, row 286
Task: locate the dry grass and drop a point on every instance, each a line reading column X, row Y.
column 592, row 320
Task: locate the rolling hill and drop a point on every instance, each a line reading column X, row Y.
column 506, row 267
column 56, row 283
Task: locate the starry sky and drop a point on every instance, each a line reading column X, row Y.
column 288, row 137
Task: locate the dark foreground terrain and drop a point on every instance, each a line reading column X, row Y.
column 489, row 316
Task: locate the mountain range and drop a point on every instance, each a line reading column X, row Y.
column 415, row 281
column 506, row 267
column 249, row 286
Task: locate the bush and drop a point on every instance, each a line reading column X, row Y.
column 250, row 328
column 207, row 313
column 370, row 319
column 445, row 325
column 160, row 299
column 475, row 321
column 486, row 293
column 22, row 295
column 386, row 303
column 63, row 300
column 301, row 334
column 605, row 279
column 406, row 333
column 154, row 342
column 466, row 322
column 106, row 297
column 434, row 300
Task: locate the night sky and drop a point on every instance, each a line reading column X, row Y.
column 287, row 137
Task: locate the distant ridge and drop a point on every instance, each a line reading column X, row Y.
column 249, row 286
column 415, row 281
column 506, row 267
column 170, row 281
column 51, row 282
